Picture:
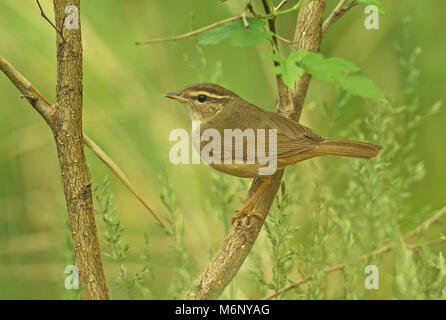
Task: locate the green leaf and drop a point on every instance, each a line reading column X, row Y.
column 361, row 86
column 326, row 69
column 214, row 36
column 241, row 36
column 288, row 68
column 376, row 3
column 329, row 70
column 217, row 34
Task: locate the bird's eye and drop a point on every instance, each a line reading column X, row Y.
column 202, row 98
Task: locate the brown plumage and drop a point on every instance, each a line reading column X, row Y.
column 219, row 109
column 223, row 109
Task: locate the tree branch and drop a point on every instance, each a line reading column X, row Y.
column 70, row 146
column 269, row 16
column 281, row 87
column 307, row 36
column 47, row 110
column 28, row 91
column 283, row 39
column 243, row 233
column 337, row 13
column 120, row 174
column 386, row 248
column 280, row 5
column 190, row 34
column 42, row 13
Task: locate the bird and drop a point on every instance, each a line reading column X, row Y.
column 220, row 109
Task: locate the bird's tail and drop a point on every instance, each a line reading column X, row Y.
column 348, row 148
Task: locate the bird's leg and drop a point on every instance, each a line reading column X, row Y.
column 245, row 211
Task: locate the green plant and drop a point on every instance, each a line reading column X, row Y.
column 118, row 249
column 178, row 253
column 366, row 205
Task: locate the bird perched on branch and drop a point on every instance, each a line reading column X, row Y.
column 283, row 139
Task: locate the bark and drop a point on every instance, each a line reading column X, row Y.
column 67, row 129
column 242, row 235
column 308, row 36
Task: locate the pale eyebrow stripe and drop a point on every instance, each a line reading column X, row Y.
column 210, row 95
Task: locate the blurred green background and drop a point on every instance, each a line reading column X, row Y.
column 126, row 114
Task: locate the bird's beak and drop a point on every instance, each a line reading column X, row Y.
column 175, row 96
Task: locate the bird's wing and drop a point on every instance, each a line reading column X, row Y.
column 292, row 137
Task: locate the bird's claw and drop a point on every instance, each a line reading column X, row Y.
column 245, row 212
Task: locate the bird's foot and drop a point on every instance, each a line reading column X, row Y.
column 245, row 212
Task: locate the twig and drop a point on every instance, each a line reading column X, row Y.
column 46, row 109
column 190, row 34
column 373, row 253
column 296, row 7
column 245, row 21
column 32, row 99
column 251, row 9
column 281, row 87
column 27, row 90
column 425, row 224
column 280, row 5
column 271, row 15
column 337, row 13
column 283, row 39
column 49, row 21
column 118, row 172
column 433, row 242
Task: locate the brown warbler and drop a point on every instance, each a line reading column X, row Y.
column 221, row 109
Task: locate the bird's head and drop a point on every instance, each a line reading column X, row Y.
column 203, row 101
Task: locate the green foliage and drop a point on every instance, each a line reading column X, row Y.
column 226, row 192
column 359, row 206
column 178, row 253
column 241, row 36
column 329, row 70
column 200, row 66
column 340, row 217
column 374, row 3
column 119, row 250
column 279, row 233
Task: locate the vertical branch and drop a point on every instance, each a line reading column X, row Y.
column 68, row 134
column 242, row 235
column 307, row 36
column 281, row 87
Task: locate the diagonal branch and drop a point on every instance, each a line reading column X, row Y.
column 242, row 235
column 120, row 174
column 280, row 5
column 28, row 91
column 337, row 13
column 42, row 13
column 48, row 111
